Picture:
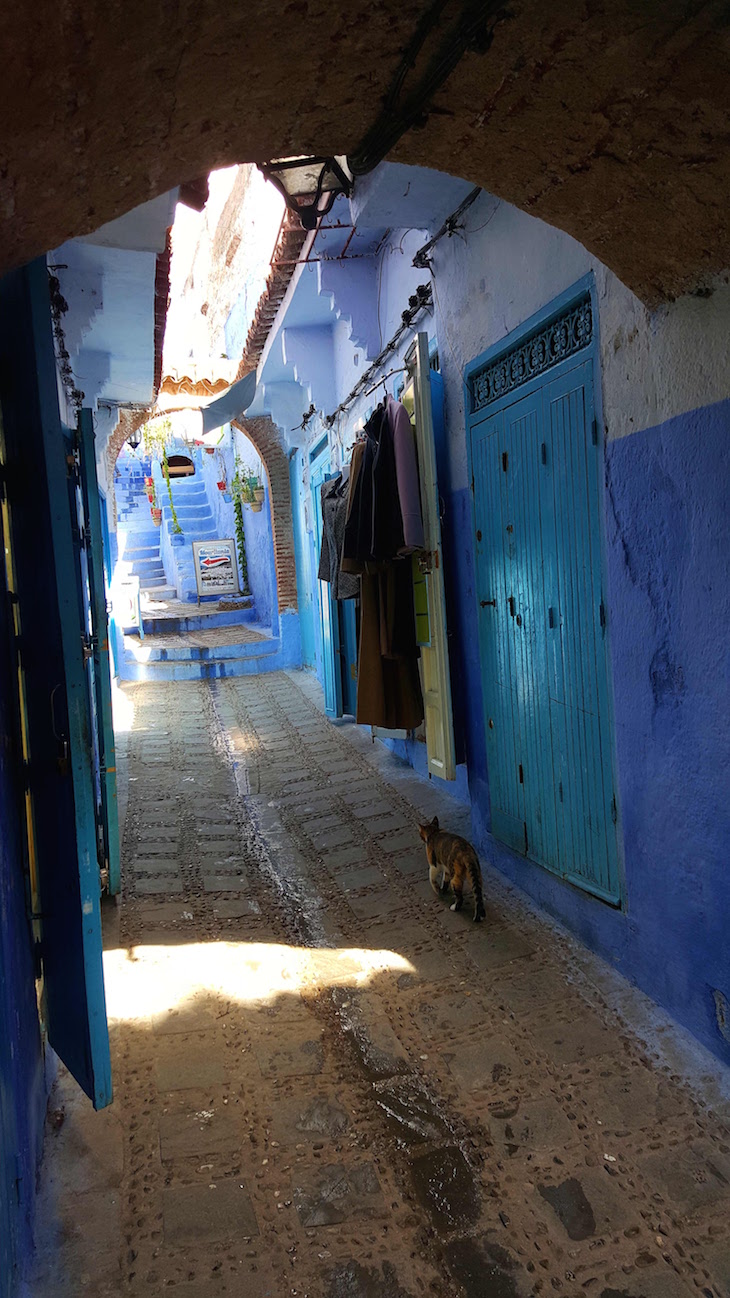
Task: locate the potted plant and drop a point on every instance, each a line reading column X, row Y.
column 156, row 516
column 222, row 484
column 149, row 486
column 209, row 450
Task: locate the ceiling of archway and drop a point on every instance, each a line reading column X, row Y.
column 608, row 120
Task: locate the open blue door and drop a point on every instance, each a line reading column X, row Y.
column 101, row 683
column 328, row 615
column 52, row 647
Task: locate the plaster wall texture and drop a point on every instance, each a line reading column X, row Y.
column 508, row 265
column 109, row 326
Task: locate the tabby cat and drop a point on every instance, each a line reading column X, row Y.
column 457, row 861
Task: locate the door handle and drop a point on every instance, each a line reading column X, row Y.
column 511, row 605
column 487, row 603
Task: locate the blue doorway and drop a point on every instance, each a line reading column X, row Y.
column 536, row 462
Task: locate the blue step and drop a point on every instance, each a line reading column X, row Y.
column 209, row 669
column 133, row 555
column 148, row 536
column 199, row 653
column 197, row 622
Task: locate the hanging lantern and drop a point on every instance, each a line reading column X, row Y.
column 309, row 186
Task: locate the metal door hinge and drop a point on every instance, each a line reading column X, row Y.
column 511, row 605
column 472, row 484
column 543, row 452
column 505, row 460
column 602, row 614
column 614, row 809
column 521, row 773
column 487, row 603
column 594, row 432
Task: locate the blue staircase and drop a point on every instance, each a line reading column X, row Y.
column 205, row 643
column 198, row 524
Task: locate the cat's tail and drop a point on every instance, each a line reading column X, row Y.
column 475, row 875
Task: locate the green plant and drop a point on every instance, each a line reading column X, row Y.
column 239, row 484
column 173, row 512
column 241, row 543
column 244, row 482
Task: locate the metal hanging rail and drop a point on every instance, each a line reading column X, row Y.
column 422, row 300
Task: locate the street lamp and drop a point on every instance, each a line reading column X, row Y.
column 309, row 186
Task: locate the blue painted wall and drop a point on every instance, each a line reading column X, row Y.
column 22, row 1076
column 663, row 395
column 668, row 572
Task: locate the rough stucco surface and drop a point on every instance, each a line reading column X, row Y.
column 608, row 121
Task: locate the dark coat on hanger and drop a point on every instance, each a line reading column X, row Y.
column 333, row 499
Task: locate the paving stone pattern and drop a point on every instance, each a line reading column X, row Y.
column 326, row 1083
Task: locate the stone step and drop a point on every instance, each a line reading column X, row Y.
column 163, row 593
column 132, row 554
column 201, row 653
column 202, row 510
column 201, row 528
column 197, row 621
column 146, row 568
column 209, row 669
column 142, row 536
column 153, row 583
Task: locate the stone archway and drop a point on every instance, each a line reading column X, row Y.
column 608, row 121
column 129, row 422
column 263, row 433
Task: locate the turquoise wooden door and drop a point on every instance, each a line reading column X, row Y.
column 536, row 465
column 100, row 665
column 328, row 616
column 52, row 652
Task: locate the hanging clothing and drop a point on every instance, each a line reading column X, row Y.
column 388, row 688
column 406, row 469
column 333, row 499
column 387, row 520
column 358, row 540
column 351, row 564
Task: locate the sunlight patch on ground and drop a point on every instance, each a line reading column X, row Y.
column 122, row 709
column 147, row 981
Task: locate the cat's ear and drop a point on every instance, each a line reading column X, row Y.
column 435, row 823
column 423, row 831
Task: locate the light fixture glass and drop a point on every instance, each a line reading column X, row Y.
column 309, row 185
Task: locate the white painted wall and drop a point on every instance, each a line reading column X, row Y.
column 507, row 265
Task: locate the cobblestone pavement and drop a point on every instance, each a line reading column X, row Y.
column 327, row 1083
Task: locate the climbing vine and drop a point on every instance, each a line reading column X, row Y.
column 241, row 543
column 238, row 486
column 173, row 512
column 157, row 436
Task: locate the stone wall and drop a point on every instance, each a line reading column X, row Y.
column 608, row 121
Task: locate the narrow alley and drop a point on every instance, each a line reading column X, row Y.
column 326, row 1082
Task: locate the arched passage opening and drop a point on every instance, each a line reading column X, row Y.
column 594, row 119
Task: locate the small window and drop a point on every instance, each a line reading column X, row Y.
column 180, row 466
